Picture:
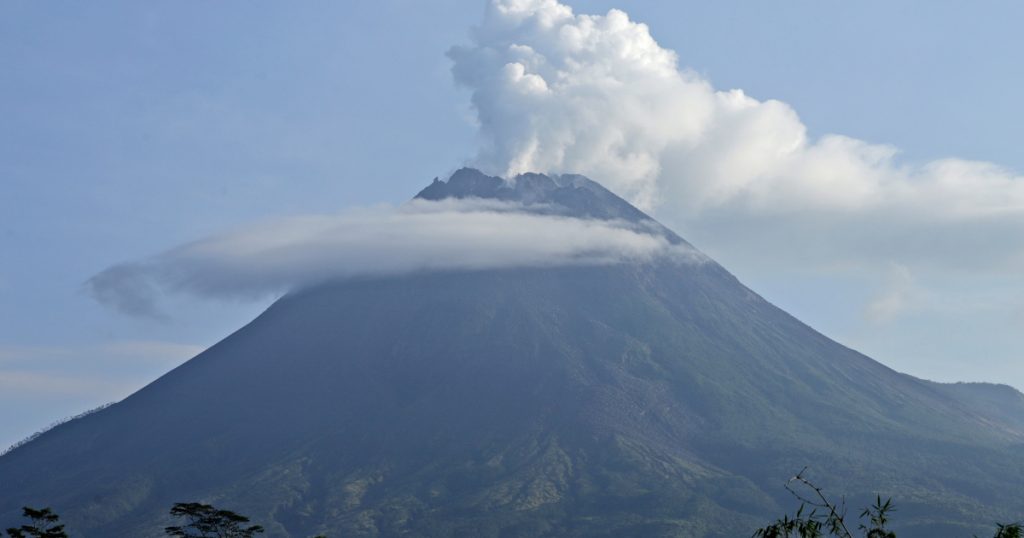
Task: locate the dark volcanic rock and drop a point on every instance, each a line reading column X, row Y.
column 663, row 399
column 571, row 195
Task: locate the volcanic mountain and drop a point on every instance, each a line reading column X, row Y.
column 656, row 398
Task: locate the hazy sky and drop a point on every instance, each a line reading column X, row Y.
column 129, row 129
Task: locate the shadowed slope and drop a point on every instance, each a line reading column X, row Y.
column 663, row 399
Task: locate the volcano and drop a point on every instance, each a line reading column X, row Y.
column 656, row 398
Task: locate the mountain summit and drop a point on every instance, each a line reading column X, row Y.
column 570, row 195
column 661, row 398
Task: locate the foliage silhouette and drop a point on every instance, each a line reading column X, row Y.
column 827, row 518
column 45, row 523
column 206, row 521
column 1009, row 530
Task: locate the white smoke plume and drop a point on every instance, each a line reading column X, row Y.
column 560, row 92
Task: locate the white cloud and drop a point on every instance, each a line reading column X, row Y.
column 559, row 92
column 274, row 257
column 899, row 295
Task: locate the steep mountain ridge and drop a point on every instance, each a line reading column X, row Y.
column 655, row 399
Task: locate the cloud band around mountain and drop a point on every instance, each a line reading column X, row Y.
column 281, row 255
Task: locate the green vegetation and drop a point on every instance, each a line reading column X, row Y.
column 827, row 518
column 605, row 401
column 206, row 521
column 203, row 521
column 817, row 517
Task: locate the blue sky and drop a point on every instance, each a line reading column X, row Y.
column 130, row 128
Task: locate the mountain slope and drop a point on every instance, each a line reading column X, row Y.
column 663, row 399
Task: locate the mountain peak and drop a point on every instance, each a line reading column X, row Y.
column 647, row 399
column 570, row 195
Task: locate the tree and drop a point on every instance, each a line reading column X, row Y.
column 205, row 521
column 1011, row 530
column 829, row 516
column 825, row 515
column 45, row 523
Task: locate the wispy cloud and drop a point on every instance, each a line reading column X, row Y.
column 276, row 256
column 21, row 383
column 899, row 295
column 136, row 350
column 88, row 374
